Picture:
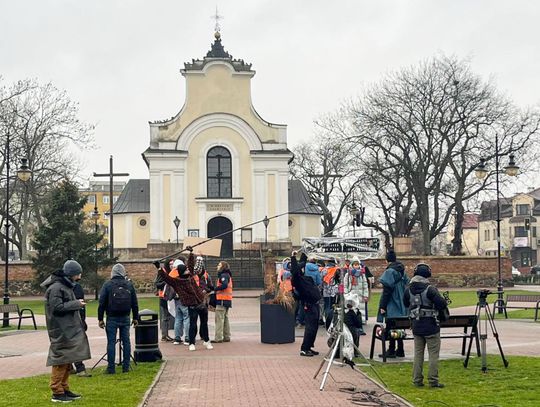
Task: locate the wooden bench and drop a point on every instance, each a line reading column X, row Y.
column 382, row 331
column 512, row 298
column 7, row 309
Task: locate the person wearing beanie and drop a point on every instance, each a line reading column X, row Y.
column 394, row 280
column 68, row 340
column 356, row 290
column 425, row 303
column 117, row 299
column 181, row 317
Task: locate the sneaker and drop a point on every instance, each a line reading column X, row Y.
column 400, row 354
column 436, row 385
column 314, row 352
column 227, row 340
column 389, row 355
column 125, row 370
column 109, row 371
column 208, row 345
column 166, row 339
column 306, row 353
column 71, row 395
column 186, row 342
column 176, row 342
column 419, row 384
column 60, row 398
column 214, row 341
column 84, row 373
column 191, row 347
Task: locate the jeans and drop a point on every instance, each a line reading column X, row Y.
column 312, row 325
column 328, row 309
column 118, row 324
column 433, row 343
column 202, row 314
column 181, row 322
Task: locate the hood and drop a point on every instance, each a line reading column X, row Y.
column 418, row 284
column 398, row 266
column 312, row 267
column 57, row 275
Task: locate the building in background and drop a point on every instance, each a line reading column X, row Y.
column 469, row 234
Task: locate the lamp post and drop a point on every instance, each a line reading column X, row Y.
column 23, row 173
column 512, row 170
column 95, row 216
column 176, row 222
column 266, row 222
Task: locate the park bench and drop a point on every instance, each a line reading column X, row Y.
column 516, row 298
column 6, row 309
column 382, row 331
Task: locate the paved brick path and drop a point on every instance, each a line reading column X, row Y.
column 245, row 371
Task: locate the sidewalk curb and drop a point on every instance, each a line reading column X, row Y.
column 148, row 393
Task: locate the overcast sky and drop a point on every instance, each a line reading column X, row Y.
column 121, row 59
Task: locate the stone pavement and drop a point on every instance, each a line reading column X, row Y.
column 245, row 371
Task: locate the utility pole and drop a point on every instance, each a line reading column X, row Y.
column 111, row 176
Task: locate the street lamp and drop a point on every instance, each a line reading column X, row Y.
column 23, row 173
column 266, row 222
column 95, row 216
column 512, row 170
column 176, row 222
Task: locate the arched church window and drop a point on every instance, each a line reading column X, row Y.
column 218, row 170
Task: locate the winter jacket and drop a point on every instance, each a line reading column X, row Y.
column 356, row 287
column 185, row 286
column 424, row 326
column 304, row 286
column 104, row 300
column 312, row 270
column 79, row 294
column 223, row 281
column 69, row 342
column 394, row 280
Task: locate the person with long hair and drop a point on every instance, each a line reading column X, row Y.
column 224, row 296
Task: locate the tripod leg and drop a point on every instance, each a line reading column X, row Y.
column 330, row 361
column 370, row 365
column 496, row 335
column 323, row 361
column 474, row 329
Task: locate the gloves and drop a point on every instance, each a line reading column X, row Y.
column 189, row 248
column 135, row 322
column 157, row 264
column 101, row 324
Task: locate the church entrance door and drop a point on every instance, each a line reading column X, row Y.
column 217, row 226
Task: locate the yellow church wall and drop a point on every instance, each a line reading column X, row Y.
column 218, row 89
column 166, row 202
column 131, row 230
column 303, row 226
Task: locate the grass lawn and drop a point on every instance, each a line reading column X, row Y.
column 515, row 386
column 121, row 389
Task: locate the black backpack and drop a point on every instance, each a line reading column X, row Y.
column 119, row 297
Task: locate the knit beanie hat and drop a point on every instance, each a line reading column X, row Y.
column 199, row 264
column 118, row 270
column 72, row 268
column 177, row 262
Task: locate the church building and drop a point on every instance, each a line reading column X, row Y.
column 216, row 167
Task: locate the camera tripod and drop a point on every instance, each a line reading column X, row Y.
column 482, row 333
column 104, row 356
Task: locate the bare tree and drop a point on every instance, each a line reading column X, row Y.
column 44, row 128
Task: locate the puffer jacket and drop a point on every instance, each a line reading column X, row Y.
column 69, row 342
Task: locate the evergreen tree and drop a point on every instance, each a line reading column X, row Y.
column 64, row 235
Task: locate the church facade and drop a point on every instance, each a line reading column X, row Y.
column 215, row 167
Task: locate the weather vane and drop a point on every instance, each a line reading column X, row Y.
column 217, row 17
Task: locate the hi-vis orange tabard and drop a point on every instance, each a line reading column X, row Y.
column 331, row 271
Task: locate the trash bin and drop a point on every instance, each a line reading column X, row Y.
column 146, row 337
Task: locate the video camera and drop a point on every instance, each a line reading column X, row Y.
column 483, row 293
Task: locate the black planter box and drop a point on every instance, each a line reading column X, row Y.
column 277, row 324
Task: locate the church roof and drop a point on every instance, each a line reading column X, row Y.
column 135, row 198
column 217, row 52
column 299, row 200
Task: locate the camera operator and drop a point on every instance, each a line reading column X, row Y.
column 309, row 295
column 425, row 305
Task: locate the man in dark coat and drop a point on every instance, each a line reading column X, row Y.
column 118, row 298
column 69, row 342
column 309, row 295
column 424, row 303
column 394, row 280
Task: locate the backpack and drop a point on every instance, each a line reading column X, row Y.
column 421, row 306
column 119, row 297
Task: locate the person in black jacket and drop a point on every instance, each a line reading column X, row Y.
column 424, row 303
column 309, row 294
column 117, row 298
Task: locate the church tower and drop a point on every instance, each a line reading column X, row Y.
column 217, row 165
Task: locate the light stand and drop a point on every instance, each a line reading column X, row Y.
column 512, row 170
column 23, row 173
column 266, row 222
column 176, row 222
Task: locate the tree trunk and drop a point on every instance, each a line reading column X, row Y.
column 457, row 242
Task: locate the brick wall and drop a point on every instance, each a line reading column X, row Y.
column 447, row 272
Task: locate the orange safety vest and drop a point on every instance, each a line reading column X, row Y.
column 330, row 274
column 197, row 280
column 286, row 285
column 225, row 294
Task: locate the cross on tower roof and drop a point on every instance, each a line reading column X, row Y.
column 217, row 17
